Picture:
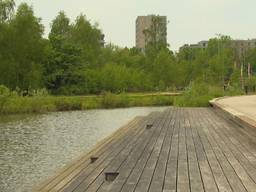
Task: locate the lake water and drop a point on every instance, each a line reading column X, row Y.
column 33, row 147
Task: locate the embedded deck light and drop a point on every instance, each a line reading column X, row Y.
column 111, row 176
column 149, row 126
column 93, row 159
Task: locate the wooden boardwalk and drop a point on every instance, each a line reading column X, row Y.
column 185, row 149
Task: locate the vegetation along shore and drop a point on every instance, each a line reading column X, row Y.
column 40, row 73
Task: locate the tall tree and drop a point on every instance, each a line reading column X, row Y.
column 23, row 50
column 63, row 71
column 6, row 10
column 88, row 38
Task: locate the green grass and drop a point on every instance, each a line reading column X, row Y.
column 196, row 95
column 199, row 95
column 40, row 104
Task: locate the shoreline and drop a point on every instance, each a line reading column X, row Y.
column 43, row 104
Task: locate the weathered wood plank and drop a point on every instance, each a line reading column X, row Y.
column 147, row 175
column 134, row 177
column 122, row 155
column 233, row 134
column 196, row 183
column 170, row 182
column 187, row 149
column 219, row 176
column 90, row 175
column 183, row 175
column 228, row 170
column 235, row 160
column 206, row 171
column 159, row 173
column 102, row 154
column 84, row 160
column 132, row 159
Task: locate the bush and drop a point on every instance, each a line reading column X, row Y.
column 114, row 101
column 198, row 95
column 68, row 103
column 4, row 91
column 91, row 103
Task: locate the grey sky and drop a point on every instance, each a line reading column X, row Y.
column 190, row 20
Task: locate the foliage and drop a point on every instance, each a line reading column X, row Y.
column 21, row 50
column 6, row 10
column 198, row 95
column 39, row 104
column 4, row 91
column 73, row 61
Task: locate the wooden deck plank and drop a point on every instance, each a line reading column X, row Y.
column 238, row 151
column 228, row 170
column 84, row 160
column 132, row 163
column 206, row 171
column 236, row 137
column 240, row 168
column 117, row 163
column 246, row 135
column 219, row 176
column 196, row 183
column 183, row 183
column 147, row 175
column 132, row 160
column 187, row 149
column 89, row 175
column 86, row 166
column 137, row 171
column 170, row 182
column 159, row 173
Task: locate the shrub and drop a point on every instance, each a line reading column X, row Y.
column 112, row 101
column 198, row 95
column 4, row 91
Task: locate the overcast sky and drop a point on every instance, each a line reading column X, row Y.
column 190, row 20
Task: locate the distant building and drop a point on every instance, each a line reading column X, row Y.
column 144, row 23
column 241, row 46
column 199, row 45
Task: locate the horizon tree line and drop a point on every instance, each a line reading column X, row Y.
column 72, row 61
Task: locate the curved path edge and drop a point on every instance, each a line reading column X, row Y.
column 234, row 114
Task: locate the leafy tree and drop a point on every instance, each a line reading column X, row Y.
column 27, row 47
column 87, row 38
column 164, row 69
column 62, row 69
column 21, row 50
column 6, row 10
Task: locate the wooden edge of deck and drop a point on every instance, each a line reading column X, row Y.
column 59, row 172
column 236, row 116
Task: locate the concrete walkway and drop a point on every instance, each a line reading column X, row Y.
column 242, row 107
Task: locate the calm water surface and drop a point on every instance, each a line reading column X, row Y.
column 33, row 147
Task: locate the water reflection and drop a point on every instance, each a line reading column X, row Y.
column 32, row 147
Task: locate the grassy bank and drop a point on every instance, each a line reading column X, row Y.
column 199, row 94
column 13, row 104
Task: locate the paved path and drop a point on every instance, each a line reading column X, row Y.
column 243, row 104
column 186, row 149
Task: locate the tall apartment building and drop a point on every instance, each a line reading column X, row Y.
column 144, row 23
